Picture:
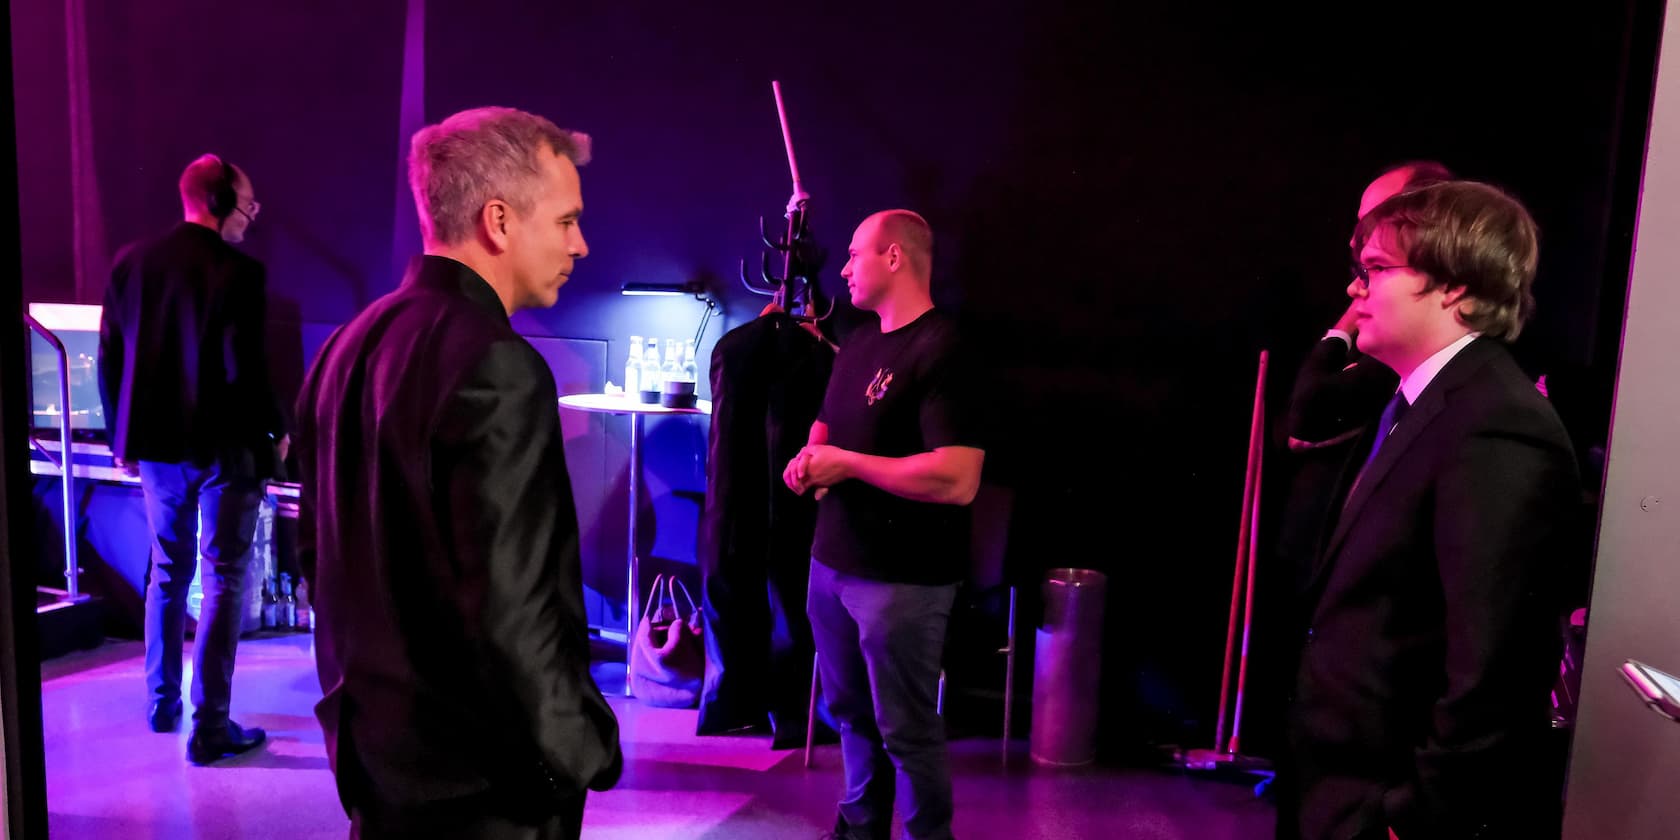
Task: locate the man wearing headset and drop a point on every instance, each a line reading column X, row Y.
column 183, row 373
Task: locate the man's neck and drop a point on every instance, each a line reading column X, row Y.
column 1405, row 364
column 903, row 309
column 205, row 220
column 481, row 264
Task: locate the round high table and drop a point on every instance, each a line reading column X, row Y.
column 629, row 404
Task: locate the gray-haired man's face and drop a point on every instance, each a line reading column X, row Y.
column 545, row 244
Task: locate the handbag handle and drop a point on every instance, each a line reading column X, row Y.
column 675, row 584
column 653, row 595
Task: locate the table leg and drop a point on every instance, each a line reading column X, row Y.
column 630, row 616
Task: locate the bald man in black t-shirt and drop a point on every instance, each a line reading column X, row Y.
column 895, row 456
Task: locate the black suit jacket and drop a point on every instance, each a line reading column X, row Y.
column 183, row 369
column 1422, row 695
column 440, row 540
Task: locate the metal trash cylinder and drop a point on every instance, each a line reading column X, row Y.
column 1067, row 668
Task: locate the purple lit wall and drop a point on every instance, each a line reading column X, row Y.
column 1129, row 206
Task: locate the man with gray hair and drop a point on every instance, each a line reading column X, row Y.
column 438, row 531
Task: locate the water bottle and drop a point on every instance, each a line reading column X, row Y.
column 648, row 386
column 270, row 604
column 305, row 614
column 633, row 367
column 672, row 369
column 286, row 615
column 691, row 368
column 679, row 390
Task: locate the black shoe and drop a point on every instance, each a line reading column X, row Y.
column 217, row 743
column 844, row 831
column 165, row 716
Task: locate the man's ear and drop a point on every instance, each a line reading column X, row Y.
column 494, row 219
column 1458, row 299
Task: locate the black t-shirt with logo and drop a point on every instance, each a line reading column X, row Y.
column 894, row 395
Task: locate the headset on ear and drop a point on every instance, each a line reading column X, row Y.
column 223, row 198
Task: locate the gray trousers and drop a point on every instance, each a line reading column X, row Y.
column 879, row 647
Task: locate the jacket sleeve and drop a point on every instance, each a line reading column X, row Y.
column 500, row 461
column 112, row 359
column 309, row 473
column 1333, row 396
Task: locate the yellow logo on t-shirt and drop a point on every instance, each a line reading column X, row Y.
column 878, row 386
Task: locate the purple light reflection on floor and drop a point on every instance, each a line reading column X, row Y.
column 109, row 777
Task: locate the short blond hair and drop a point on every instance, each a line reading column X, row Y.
column 911, row 233
column 475, row 156
column 204, row 178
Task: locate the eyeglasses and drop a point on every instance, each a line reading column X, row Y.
column 251, row 214
column 1363, row 272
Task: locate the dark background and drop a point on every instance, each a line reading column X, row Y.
column 1129, row 207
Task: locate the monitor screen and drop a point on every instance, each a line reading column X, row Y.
column 78, row 327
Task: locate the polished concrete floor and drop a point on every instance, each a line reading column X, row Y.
column 110, row 777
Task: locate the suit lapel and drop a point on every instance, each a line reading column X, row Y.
column 1354, row 489
column 1429, row 405
column 1401, row 439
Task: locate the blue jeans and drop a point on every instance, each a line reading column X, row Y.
column 196, row 510
column 879, row 647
